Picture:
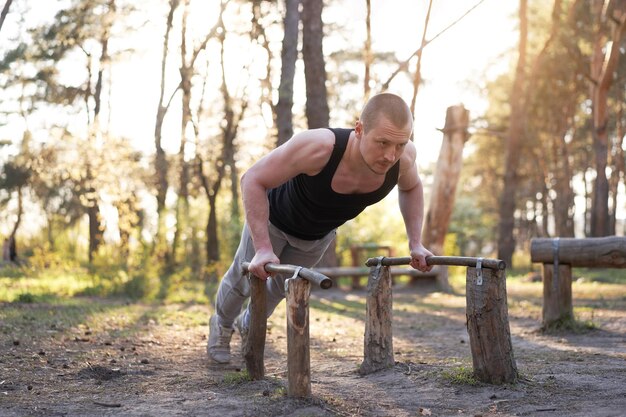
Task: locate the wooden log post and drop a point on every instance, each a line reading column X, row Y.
column 557, row 294
column 253, row 348
column 488, row 326
column 378, row 342
column 298, row 354
column 297, row 293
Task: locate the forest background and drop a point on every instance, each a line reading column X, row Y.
column 125, row 126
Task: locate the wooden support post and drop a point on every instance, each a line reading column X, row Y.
column 557, row 295
column 488, row 326
column 298, row 355
column 378, row 343
column 254, row 347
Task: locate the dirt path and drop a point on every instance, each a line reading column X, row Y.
column 140, row 360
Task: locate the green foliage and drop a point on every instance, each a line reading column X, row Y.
column 14, row 175
column 461, row 375
column 25, row 297
column 236, row 378
column 38, row 284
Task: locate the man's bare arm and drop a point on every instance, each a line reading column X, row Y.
column 307, row 152
column 411, row 201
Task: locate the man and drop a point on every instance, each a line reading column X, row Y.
column 297, row 195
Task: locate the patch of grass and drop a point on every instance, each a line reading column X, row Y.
column 461, row 375
column 61, row 283
column 569, row 324
column 48, row 284
column 26, row 298
column 279, row 392
column 236, row 378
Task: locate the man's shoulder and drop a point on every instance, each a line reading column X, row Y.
column 311, row 149
column 319, row 140
column 321, row 135
column 407, row 160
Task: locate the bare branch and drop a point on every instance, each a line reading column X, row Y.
column 405, row 64
column 5, row 11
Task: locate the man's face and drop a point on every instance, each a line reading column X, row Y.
column 383, row 144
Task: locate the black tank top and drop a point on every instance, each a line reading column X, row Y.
column 308, row 208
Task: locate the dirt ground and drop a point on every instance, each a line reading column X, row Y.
column 142, row 360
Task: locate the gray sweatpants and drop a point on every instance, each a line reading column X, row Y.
column 234, row 288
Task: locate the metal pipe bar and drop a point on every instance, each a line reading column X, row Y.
column 312, row 276
column 441, row 260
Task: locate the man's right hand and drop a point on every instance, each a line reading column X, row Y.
column 262, row 258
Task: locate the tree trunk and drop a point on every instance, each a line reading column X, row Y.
column 95, row 228
column 160, row 161
column 447, row 174
column 367, row 51
column 603, row 65
column 9, row 253
column 618, row 167
column 564, row 200
column 212, row 242
column 289, row 56
column 506, row 241
column 93, row 209
column 259, row 34
column 588, row 199
column 317, row 112
column 182, row 202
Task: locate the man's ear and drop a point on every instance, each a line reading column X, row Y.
column 358, row 129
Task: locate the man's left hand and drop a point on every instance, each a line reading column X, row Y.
column 418, row 258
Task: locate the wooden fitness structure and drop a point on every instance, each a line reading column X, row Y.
column 297, row 291
column 487, row 320
column 486, row 312
column 558, row 256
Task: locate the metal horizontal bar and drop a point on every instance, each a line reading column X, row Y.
column 441, row 260
column 312, row 276
column 346, row 271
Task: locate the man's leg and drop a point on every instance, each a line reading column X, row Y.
column 230, row 296
column 233, row 290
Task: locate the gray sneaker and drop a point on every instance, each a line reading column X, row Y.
column 218, row 346
column 243, row 331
